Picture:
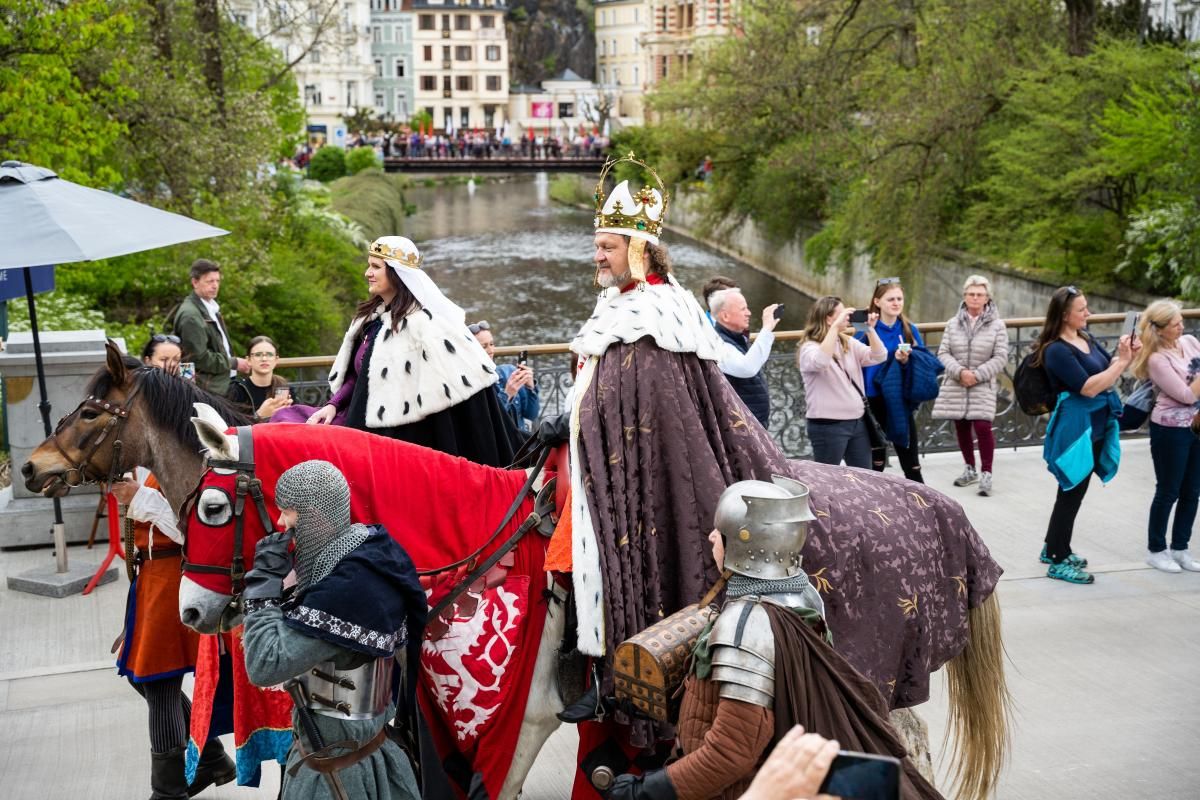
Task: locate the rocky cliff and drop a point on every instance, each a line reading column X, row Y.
column 546, row 37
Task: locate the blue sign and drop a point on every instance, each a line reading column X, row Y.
column 12, row 282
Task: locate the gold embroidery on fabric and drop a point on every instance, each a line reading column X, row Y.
column 919, row 500
column 879, row 513
column 819, row 580
column 962, row 584
column 908, row 606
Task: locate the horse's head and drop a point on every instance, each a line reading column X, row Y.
column 81, row 450
column 226, row 515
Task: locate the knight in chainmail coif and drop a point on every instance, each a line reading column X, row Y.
column 765, row 663
column 357, row 609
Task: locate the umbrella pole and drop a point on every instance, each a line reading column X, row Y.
column 60, row 532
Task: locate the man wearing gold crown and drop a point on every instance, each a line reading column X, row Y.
column 656, row 435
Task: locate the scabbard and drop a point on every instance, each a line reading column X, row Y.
column 309, row 731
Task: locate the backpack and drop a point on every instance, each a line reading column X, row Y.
column 1031, row 385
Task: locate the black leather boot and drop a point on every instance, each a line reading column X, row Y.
column 167, row 781
column 216, row 768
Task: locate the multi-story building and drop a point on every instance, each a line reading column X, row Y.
column 678, row 30
column 331, row 46
column 1181, row 16
column 621, row 61
column 460, row 62
column 392, row 59
column 564, row 107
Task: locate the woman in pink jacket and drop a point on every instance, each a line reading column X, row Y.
column 1171, row 361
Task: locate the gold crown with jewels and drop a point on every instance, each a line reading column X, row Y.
column 640, row 215
column 396, row 252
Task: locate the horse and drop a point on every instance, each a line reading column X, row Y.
column 978, row 696
column 141, row 417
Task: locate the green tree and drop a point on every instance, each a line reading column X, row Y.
column 361, row 158
column 327, row 164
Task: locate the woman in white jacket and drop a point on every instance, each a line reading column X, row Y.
column 974, row 351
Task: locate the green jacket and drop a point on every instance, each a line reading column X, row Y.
column 200, row 339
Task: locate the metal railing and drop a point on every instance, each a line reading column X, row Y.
column 1013, row 427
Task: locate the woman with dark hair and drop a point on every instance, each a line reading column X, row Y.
column 831, row 364
column 1082, row 374
column 157, row 650
column 408, row 367
column 262, row 392
column 891, row 411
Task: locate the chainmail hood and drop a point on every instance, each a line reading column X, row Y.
column 318, row 492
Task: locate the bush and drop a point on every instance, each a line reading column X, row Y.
column 361, row 158
column 328, row 164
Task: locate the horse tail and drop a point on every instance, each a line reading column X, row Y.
column 980, row 705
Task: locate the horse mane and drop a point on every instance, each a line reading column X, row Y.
column 169, row 400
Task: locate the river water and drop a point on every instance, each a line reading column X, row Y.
column 509, row 254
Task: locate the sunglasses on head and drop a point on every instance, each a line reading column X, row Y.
column 476, row 327
column 159, row 338
column 1072, row 291
column 886, row 281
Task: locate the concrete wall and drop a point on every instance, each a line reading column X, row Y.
column 932, row 295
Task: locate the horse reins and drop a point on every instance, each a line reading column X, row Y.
column 119, row 415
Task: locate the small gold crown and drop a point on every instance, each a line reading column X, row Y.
column 395, row 254
column 647, row 208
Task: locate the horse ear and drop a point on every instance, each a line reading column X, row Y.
column 115, row 361
column 211, row 429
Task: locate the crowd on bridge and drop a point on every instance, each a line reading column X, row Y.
column 426, row 143
column 662, row 484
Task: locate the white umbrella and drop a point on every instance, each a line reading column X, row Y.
column 47, row 220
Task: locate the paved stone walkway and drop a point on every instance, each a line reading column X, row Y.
column 1105, row 677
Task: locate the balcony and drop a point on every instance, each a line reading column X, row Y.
column 447, row 93
column 445, row 33
column 447, row 63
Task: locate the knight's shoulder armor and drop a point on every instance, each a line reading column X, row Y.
column 743, row 653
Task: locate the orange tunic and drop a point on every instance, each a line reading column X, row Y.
column 157, row 645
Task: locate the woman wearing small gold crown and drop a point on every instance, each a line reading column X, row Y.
column 408, row 367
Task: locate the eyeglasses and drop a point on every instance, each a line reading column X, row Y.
column 159, row 338
column 476, row 327
column 262, row 354
column 886, row 281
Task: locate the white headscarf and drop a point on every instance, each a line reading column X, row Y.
column 403, row 257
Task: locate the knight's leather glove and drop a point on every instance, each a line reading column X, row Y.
column 553, row 431
column 272, row 563
column 654, row 785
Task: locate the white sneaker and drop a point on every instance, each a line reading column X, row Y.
column 968, row 476
column 985, row 484
column 1184, row 559
column 1163, row 560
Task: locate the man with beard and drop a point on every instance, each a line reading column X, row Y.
column 657, row 434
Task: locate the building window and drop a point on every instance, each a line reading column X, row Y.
column 429, row 83
column 635, row 14
column 493, row 83
column 492, row 53
column 428, row 52
column 603, row 76
column 464, row 83
column 636, row 80
column 462, row 52
column 489, row 116
column 446, row 83
column 376, row 34
column 351, row 94
column 616, row 75
column 314, row 56
column 462, row 22
column 379, row 68
column 464, row 117
column 446, row 55
column 241, row 19
column 426, row 22
column 487, row 21
column 429, row 111
column 612, row 47
column 445, row 22
column 566, row 110
column 603, row 47
column 379, row 99
column 312, row 94
column 401, row 105
column 399, row 67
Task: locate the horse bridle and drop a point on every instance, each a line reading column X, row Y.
column 118, row 416
column 246, row 484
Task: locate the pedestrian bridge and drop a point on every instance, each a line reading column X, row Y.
column 515, row 163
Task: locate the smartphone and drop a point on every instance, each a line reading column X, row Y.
column 858, row 318
column 282, row 392
column 187, row 370
column 779, row 311
column 522, row 357
column 862, row 776
column 1130, row 325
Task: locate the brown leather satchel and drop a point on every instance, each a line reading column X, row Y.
column 650, row 666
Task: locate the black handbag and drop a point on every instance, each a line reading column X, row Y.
column 879, row 453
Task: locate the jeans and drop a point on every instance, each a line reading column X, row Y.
column 836, row 439
column 1066, row 508
column 907, row 456
column 987, row 441
column 1176, row 456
